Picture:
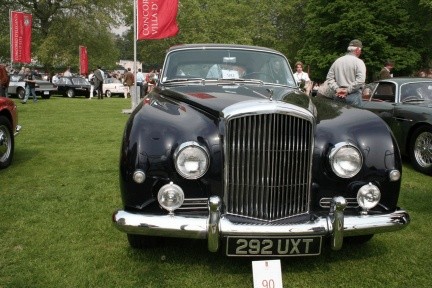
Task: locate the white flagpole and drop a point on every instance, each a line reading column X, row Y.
column 134, row 97
column 134, row 102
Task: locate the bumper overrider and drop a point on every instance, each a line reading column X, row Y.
column 215, row 226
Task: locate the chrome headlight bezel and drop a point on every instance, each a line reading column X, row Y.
column 191, row 160
column 346, row 160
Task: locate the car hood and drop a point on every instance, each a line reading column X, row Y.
column 215, row 98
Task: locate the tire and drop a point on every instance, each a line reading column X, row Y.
column 46, row 96
column 7, row 142
column 143, row 242
column 108, row 93
column 20, row 93
column 357, row 240
column 70, row 93
column 420, row 149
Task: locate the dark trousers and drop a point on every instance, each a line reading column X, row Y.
column 99, row 91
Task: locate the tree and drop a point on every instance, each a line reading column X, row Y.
column 389, row 29
column 59, row 27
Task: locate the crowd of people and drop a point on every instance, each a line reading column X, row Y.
column 145, row 81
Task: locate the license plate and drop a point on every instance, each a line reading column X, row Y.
column 46, row 92
column 273, row 246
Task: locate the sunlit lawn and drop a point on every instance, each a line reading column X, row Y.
column 58, row 196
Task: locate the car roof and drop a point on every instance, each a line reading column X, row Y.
column 220, row 46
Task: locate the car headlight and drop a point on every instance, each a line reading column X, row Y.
column 191, row 160
column 345, row 160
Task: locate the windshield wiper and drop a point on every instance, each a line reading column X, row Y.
column 184, row 80
column 413, row 100
column 253, row 81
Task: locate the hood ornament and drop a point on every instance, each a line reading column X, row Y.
column 270, row 93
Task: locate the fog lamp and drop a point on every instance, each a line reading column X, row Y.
column 368, row 196
column 139, row 176
column 170, row 197
column 394, row 175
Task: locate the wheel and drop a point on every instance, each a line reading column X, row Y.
column 7, row 143
column 358, row 239
column 420, row 149
column 108, row 93
column 21, row 93
column 142, row 242
column 70, row 93
column 44, row 96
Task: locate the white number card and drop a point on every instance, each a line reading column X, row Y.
column 230, row 74
column 267, row 274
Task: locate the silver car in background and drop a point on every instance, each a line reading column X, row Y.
column 17, row 87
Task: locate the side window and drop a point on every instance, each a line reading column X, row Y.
column 384, row 92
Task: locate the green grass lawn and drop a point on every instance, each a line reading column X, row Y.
column 58, row 196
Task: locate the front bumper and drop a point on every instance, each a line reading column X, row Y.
column 336, row 225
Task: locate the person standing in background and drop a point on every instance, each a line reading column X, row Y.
column 347, row 75
column 128, row 82
column 302, row 78
column 140, row 82
column 30, row 85
column 67, row 73
column 91, row 80
column 385, row 72
column 98, row 82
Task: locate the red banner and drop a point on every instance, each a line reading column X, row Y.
column 156, row 19
column 21, row 29
column 83, row 60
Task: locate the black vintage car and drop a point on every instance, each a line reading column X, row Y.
column 226, row 148
column 72, row 86
column 406, row 106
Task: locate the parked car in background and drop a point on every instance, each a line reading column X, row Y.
column 405, row 104
column 9, row 128
column 73, row 86
column 113, row 86
column 228, row 149
column 43, row 89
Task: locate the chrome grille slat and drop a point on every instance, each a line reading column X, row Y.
column 268, row 165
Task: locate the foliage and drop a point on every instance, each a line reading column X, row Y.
column 315, row 31
column 60, row 27
column 391, row 29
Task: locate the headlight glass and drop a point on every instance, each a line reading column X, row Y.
column 191, row 160
column 170, row 197
column 345, row 160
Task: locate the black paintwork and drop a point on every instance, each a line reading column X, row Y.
column 172, row 115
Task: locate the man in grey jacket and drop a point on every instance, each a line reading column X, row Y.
column 347, row 75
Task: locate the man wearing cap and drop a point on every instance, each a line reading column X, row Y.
column 385, row 72
column 347, row 75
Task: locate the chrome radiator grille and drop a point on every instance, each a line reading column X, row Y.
column 268, row 162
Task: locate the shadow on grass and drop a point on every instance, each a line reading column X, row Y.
column 194, row 252
column 24, row 154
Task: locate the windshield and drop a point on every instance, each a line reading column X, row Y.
column 416, row 91
column 227, row 64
